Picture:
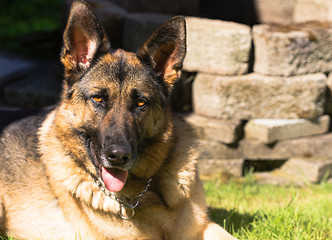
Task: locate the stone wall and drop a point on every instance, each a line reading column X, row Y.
column 283, row 106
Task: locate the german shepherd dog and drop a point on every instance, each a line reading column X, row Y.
column 109, row 161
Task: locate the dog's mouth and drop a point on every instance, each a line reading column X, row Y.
column 114, row 178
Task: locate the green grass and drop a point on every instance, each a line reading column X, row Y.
column 20, row 18
column 251, row 211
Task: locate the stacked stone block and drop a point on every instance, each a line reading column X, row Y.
column 309, row 10
column 297, row 49
column 271, row 130
column 255, row 95
column 215, row 46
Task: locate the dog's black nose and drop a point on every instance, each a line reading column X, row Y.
column 118, row 155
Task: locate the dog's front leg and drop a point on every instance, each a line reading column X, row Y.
column 215, row 232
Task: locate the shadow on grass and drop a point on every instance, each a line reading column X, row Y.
column 231, row 220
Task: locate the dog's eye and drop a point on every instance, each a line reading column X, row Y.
column 141, row 103
column 97, row 99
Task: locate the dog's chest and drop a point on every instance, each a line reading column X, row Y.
column 152, row 220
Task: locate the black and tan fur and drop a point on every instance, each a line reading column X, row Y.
column 113, row 114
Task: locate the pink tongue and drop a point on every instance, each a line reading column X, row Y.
column 114, row 179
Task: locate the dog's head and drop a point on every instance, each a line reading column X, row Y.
column 117, row 102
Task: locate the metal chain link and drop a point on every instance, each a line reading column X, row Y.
column 124, row 205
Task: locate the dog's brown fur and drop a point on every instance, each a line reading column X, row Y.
column 110, row 98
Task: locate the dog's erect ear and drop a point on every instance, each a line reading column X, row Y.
column 165, row 49
column 83, row 38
